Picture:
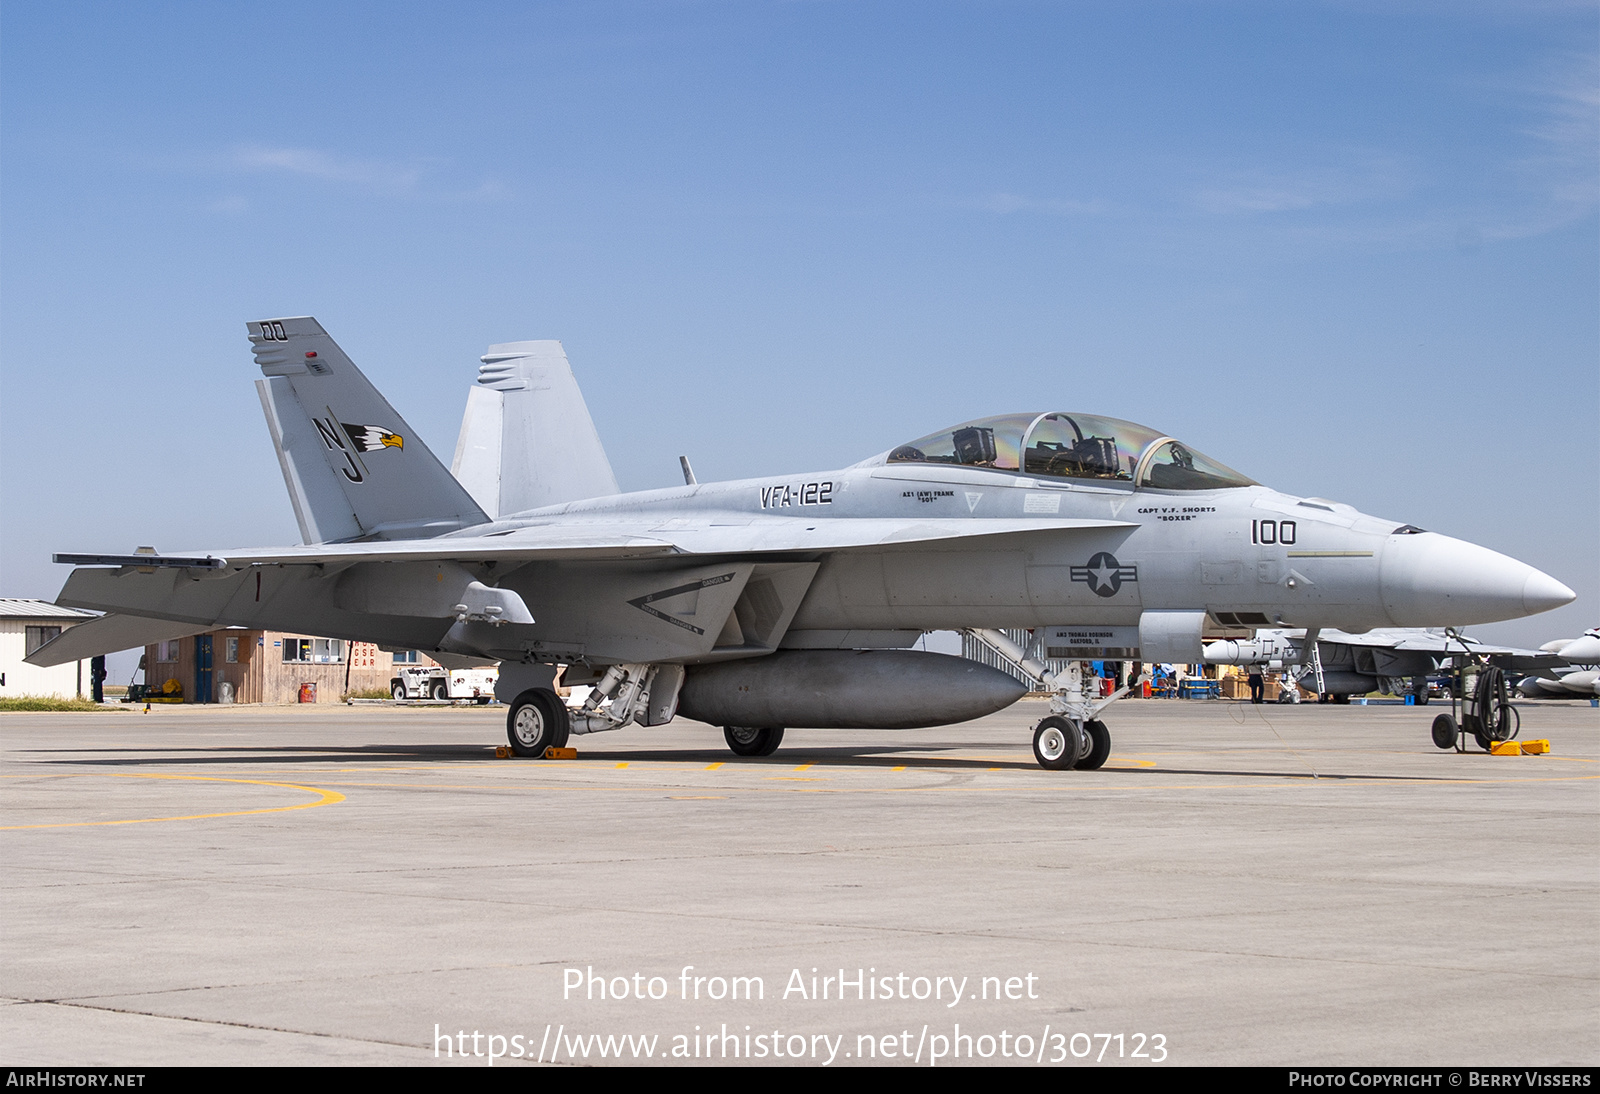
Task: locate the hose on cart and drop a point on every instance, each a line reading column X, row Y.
column 1488, row 714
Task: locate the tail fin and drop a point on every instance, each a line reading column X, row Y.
column 353, row 466
column 527, row 439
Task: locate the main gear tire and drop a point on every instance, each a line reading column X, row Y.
column 1099, row 738
column 1058, row 744
column 537, row 721
column 753, row 740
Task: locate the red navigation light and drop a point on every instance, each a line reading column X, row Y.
column 311, row 353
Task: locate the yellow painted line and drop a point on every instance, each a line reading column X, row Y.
column 325, row 797
column 901, row 768
column 623, row 764
column 804, row 767
column 1066, row 782
column 713, row 767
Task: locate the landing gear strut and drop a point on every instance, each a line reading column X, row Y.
column 1072, row 737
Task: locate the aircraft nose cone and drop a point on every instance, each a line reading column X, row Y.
column 1585, row 651
column 1429, row 580
column 1541, row 592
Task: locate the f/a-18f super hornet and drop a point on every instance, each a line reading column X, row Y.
column 1340, row 665
column 778, row 602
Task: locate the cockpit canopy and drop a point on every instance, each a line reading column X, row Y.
column 1073, row 446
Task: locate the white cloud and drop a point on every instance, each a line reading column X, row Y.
column 312, row 163
column 1345, row 178
column 1559, row 177
column 415, row 179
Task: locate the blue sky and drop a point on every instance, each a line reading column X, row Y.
column 1348, row 248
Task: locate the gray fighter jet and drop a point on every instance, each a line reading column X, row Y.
column 1574, row 676
column 779, row 602
column 1339, row 665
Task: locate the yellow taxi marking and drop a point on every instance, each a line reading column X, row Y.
column 804, row 767
column 1071, row 782
column 324, row 797
column 1067, row 782
column 900, row 768
column 623, row 764
column 713, row 767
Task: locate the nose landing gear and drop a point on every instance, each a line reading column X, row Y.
column 1060, row 744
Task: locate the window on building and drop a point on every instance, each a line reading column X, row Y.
column 231, row 650
column 314, row 651
column 407, row 657
column 38, row 636
column 167, row 651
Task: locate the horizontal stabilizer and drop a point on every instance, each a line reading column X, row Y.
column 108, row 634
column 181, row 562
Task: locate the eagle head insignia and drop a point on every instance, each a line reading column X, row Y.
column 370, row 438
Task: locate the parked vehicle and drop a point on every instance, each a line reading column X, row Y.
column 434, row 682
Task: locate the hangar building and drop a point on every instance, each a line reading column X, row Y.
column 25, row 625
column 234, row 665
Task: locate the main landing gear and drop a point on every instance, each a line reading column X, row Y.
column 643, row 694
column 538, row 720
column 753, row 741
column 1072, row 737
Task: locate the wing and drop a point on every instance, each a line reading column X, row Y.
column 593, row 582
column 1433, row 642
column 603, row 540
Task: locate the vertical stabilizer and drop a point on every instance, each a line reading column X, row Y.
column 527, row 440
column 320, row 507
column 353, row 466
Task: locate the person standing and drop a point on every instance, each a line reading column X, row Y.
column 1257, row 684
